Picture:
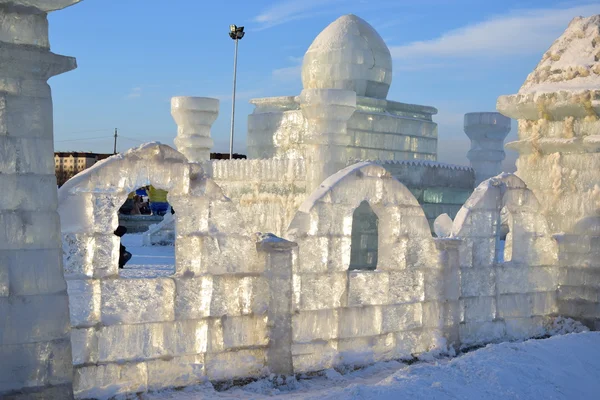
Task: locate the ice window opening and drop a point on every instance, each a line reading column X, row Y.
column 145, row 208
column 364, row 243
column 504, row 240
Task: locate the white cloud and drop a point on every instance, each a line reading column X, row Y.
column 291, row 10
column 287, row 74
column 135, row 93
column 519, row 32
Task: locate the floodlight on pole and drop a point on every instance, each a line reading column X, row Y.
column 236, row 33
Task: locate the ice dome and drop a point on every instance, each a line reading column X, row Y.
column 349, row 54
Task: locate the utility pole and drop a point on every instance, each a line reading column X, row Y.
column 236, row 33
column 115, row 148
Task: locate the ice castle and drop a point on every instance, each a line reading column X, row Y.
column 346, row 269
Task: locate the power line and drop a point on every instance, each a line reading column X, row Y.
column 82, row 139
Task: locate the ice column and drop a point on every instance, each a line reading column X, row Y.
column 35, row 348
column 194, row 116
column 327, row 112
column 487, row 131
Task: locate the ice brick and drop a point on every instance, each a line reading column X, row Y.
column 402, row 317
column 90, row 255
column 84, row 344
column 228, row 254
column 153, row 340
column 315, row 325
column 406, row 286
column 478, row 282
column 105, row 381
column 33, row 272
column 440, row 314
column 367, row 288
column 526, row 279
column 137, row 300
column 30, row 319
column 29, row 230
column 362, row 351
column 35, row 364
column 22, row 186
column 472, row 333
column 176, row 372
column 313, row 253
column 193, row 297
column 245, row 331
column 525, row 328
column 235, row 364
column 478, row 309
column 319, row 292
column 84, row 302
column 238, row 295
column 357, row 322
column 314, row 356
column 22, row 155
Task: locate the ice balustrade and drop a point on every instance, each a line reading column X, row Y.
column 509, row 299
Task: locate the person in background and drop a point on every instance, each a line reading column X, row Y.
column 124, row 255
column 158, row 201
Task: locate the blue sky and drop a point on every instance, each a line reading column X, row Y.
column 134, row 55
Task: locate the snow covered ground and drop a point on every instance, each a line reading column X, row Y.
column 561, row 367
column 147, row 262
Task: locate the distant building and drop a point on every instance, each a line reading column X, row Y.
column 69, row 164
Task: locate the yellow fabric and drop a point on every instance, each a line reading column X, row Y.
column 131, row 195
column 157, row 195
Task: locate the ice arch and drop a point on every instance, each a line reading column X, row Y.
column 322, row 227
column 509, row 299
column 88, row 206
column 403, row 307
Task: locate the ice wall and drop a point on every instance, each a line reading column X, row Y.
column 35, row 350
column 207, row 320
column 378, row 129
column 508, row 299
column 559, row 156
column 407, row 305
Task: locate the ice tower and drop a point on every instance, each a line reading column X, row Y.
column 349, row 55
column 559, row 129
column 487, row 131
column 35, row 347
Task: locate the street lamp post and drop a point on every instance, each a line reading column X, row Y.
column 236, row 33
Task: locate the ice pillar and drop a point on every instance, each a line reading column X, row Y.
column 35, row 347
column 327, row 112
column 194, row 116
column 487, row 131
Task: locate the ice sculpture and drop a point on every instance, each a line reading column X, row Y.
column 35, row 349
column 442, row 226
column 559, row 156
column 347, row 55
column 194, row 117
column 487, row 131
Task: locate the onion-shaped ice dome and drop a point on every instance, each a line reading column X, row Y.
column 349, row 54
